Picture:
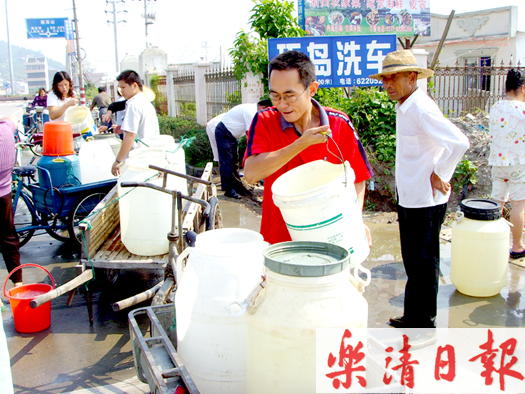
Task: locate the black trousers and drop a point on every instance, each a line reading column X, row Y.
column 9, row 242
column 227, row 147
column 419, row 230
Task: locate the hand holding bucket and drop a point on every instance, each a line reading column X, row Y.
column 29, row 320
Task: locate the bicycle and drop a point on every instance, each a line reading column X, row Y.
column 32, row 132
column 57, row 211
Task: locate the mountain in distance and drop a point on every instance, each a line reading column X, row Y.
column 19, row 55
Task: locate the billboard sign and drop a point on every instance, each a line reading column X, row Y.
column 340, row 60
column 405, row 18
column 49, row 28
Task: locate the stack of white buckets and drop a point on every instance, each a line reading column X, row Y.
column 272, row 347
column 145, row 214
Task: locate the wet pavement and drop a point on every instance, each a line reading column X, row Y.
column 72, row 356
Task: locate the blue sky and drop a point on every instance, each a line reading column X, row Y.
column 182, row 27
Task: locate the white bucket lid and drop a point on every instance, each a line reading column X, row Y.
column 306, row 258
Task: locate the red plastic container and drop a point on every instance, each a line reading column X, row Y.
column 58, row 139
column 28, row 320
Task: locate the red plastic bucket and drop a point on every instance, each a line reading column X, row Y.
column 29, row 320
column 58, row 139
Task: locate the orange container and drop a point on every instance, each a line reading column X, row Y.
column 58, row 139
column 28, row 320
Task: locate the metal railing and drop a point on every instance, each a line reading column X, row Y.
column 223, row 91
column 184, row 87
column 462, row 89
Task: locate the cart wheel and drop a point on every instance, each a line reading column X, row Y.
column 60, row 231
column 215, row 219
column 80, row 212
column 24, row 217
column 36, row 146
column 111, row 275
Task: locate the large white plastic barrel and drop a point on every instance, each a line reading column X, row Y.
column 225, row 265
column 6, row 379
column 318, row 202
column 173, row 152
column 480, row 248
column 307, row 287
column 146, row 214
column 96, row 159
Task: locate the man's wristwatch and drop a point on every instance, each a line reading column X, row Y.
column 118, row 161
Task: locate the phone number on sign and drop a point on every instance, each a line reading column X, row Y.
column 367, row 81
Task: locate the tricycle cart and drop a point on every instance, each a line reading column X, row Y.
column 156, row 360
column 58, row 211
column 103, row 249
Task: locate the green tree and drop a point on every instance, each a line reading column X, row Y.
column 269, row 19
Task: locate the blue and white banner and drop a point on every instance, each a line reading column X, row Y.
column 49, row 28
column 340, row 60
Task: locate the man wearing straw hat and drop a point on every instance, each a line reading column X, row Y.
column 428, row 148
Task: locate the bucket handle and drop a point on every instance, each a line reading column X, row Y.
column 178, row 264
column 25, row 266
column 359, row 283
column 248, row 301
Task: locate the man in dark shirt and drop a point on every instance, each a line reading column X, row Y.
column 102, row 100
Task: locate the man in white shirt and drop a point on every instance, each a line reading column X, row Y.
column 210, row 130
column 233, row 125
column 140, row 120
column 428, row 148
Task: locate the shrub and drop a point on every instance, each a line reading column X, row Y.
column 176, row 127
column 198, row 152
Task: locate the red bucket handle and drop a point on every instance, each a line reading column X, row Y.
column 25, row 266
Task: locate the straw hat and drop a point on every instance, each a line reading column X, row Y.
column 150, row 94
column 400, row 61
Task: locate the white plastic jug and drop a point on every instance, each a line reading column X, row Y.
column 114, row 142
column 318, row 202
column 222, row 268
column 480, row 249
column 174, row 153
column 96, row 159
column 146, row 214
column 81, row 120
column 307, row 287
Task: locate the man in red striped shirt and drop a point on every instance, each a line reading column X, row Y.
column 290, row 134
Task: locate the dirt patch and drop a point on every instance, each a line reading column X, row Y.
column 380, row 204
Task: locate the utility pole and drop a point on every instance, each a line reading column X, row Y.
column 9, row 50
column 149, row 19
column 115, row 12
column 79, row 59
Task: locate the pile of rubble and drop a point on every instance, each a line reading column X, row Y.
column 476, row 128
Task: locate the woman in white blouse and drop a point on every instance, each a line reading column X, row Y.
column 61, row 96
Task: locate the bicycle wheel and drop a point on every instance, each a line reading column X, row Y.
column 59, row 231
column 80, row 212
column 36, row 146
column 24, row 217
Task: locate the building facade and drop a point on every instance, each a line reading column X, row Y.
column 37, row 73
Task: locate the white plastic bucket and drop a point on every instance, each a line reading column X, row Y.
column 307, row 287
column 81, row 120
column 146, row 214
column 222, row 268
column 318, row 202
column 480, row 249
column 96, row 159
